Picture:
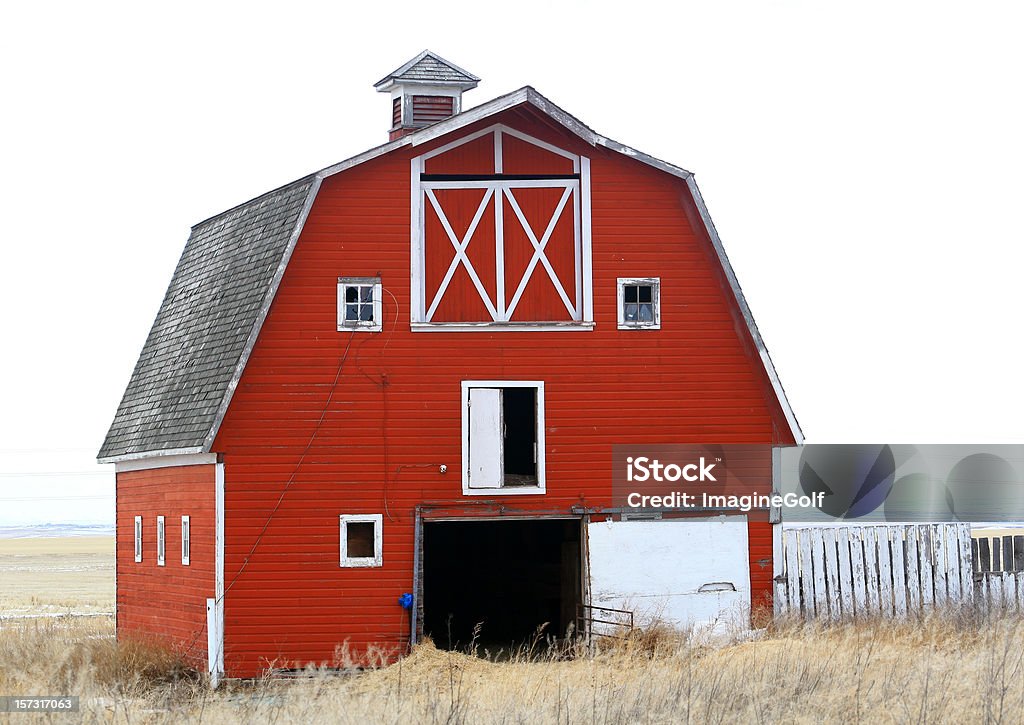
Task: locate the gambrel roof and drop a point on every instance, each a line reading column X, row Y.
column 229, row 273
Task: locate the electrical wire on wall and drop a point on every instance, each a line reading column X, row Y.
column 382, row 382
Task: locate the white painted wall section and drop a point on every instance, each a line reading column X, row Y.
column 682, row 572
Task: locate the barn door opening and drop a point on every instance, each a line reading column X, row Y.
column 505, row 579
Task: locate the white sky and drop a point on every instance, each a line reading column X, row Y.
column 863, row 166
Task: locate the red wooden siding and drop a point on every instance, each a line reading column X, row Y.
column 395, row 417
column 166, row 603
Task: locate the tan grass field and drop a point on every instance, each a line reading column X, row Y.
column 56, row 575
column 948, row 668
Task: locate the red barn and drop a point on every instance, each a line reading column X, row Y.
column 404, row 374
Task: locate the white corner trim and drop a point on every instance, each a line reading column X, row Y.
column 145, row 464
column 215, row 605
column 219, row 539
column 748, row 316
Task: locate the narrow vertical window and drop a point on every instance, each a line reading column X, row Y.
column 138, row 539
column 160, row 549
column 186, row 540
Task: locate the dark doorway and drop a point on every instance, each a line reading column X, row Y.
column 510, row 577
column 520, row 436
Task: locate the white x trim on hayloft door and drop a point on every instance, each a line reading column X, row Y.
column 499, row 189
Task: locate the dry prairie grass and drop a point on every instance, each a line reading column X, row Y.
column 942, row 669
column 43, row 576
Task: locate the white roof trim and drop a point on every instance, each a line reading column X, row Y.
column 151, row 454
column 461, row 120
column 145, row 464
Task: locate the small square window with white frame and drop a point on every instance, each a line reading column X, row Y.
column 639, row 303
column 362, row 540
column 359, row 304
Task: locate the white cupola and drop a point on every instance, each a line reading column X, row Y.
column 423, row 91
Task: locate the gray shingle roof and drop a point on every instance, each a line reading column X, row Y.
column 429, row 67
column 214, row 301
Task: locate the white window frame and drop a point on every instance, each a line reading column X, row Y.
column 138, row 539
column 358, row 325
column 541, row 486
column 161, row 540
column 378, row 540
column 186, row 540
column 655, row 283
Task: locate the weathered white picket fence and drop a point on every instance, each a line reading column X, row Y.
column 837, row 573
column 1000, row 590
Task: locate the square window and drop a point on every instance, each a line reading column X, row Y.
column 359, row 304
column 639, row 303
column 362, row 540
column 503, row 437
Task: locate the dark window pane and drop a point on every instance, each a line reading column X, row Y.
column 645, row 293
column 631, row 312
column 352, row 312
column 351, row 294
column 367, row 293
column 646, row 313
column 630, row 293
column 366, row 312
column 359, row 539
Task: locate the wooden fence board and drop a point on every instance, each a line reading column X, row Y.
column 964, row 541
column 885, row 593
column 845, row 573
column 984, row 555
column 913, row 579
column 818, row 558
column 806, row 575
column 939, row 564
column 897, row 545
column 871, row 568
column 952, row 551
column 926, row 562
column 860, row 594
column 792, row 548
column 828, row 537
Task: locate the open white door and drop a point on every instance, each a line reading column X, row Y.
column 486, row 465
column 680, row 572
